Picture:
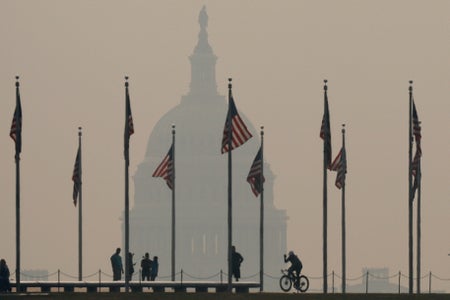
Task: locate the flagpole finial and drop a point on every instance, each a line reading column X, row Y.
column 262, row 130
column 173, row 128
column 79, row 131
column 126, row 81
column 17, row 80
column 343, row 128
column 229, row 83
column 325, row 87
column 410, row 85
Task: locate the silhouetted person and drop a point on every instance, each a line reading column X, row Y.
column 296, row 264
column 146, row 265
column 116, row 264
column 4, row 277
column 236, row 260
column 130, row 265
column 154, row 269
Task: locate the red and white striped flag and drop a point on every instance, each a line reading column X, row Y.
column 416, row 124
column 16, row 125
column 76, row 177
column 255, row 176
column 166, row 169
column 340, row 165
column 415, row 164
column 325, row 132
column 129, row 127
column 239, row 131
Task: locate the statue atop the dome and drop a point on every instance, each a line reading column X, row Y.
column 203, row 45
column 203, row 18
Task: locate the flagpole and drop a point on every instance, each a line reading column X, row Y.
column 325, row 166
column 127, row 224
column 17, row 158
column 343, row 220
column 173, row 202
column 416, row 173
column 230, row 206
column 80, row 216
column 261, row 217
column 410, row 195
column 419, row 225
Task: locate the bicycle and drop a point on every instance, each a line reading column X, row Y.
column 300, row 283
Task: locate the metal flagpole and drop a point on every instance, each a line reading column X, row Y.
column 18, row 222
column 261, row 216
column 80, row 216
column 410, row 195
column 127, row 224
column 17, row 158
column 230, row 206
column 343, row 217
column 325, row 166
column 419, row 225
column 173, row 202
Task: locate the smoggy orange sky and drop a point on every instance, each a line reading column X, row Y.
column 72, row 57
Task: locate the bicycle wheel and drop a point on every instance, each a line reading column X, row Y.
column 303, row 283
column 285, row 283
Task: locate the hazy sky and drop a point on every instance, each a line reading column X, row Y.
column 72, row 57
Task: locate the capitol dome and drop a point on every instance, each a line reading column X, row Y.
column 201, row 186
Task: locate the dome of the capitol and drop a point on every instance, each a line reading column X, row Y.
column 201, row 185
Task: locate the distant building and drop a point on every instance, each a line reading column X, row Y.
column 379, row 281
column 34, row 275
column 201, row 187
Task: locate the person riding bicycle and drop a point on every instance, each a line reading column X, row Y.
column 296, row 264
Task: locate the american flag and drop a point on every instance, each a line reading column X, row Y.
column 239, row 131
column 415, row 166
column 415, row 169
column 166, row 169
column 340, row 165
column 16, row 126
column 415, row 163
column 129, row 127
column 76, row 177
column 255, row 176
column 417, row 174
column 417, row 129
column 325, row 132
column 416, row 123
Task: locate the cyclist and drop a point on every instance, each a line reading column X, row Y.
column 296, row 264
